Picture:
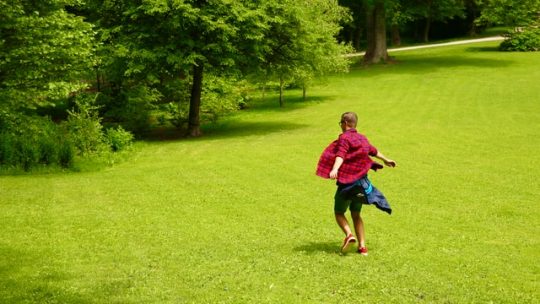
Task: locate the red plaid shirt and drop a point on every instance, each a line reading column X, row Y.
column 355, row 150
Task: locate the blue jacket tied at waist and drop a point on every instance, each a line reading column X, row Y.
column 363, row 187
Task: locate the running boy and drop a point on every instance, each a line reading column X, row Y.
column 347, row 159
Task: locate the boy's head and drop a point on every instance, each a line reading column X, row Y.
column 348, row 120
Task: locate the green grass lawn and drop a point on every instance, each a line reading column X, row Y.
column 239, row 216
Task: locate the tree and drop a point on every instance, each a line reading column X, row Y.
column 509, row 12
column 377, row 49
column 176, row 39
column 45, row 53
column 353, row 30
column 301, row 42
column 398, row 16
column 435, row 10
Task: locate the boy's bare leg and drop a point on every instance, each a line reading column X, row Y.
column 359, row 228
column 343, row 223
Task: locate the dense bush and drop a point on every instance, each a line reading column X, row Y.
column 84, row 126
column 221, row 96
column 525, row 40
column 26, row 142
column 118, row 139
column 131, row 108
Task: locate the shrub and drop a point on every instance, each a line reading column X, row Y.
column 48, row 150
column 118, row 139
column 221, row 96
column 177, row 114
column 26, row 152
column 132, row 108
column 83, row 126
column 35, row 140
column 526, row 40
column 65, row 154
column 6, row 149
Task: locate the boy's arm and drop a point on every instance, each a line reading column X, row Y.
column 342, row 147
column 337, row 163
column 387, row 161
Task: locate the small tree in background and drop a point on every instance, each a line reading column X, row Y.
column 301, row 42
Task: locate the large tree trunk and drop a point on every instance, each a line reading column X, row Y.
column 376, row 33
column 194, row 127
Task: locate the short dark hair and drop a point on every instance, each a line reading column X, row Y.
column 350, row 118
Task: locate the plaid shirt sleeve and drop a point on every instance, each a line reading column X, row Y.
column 326, row 161
column 342, row 145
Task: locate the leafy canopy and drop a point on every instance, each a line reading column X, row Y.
column 45, row 52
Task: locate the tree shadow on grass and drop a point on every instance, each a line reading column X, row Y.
column 271, row 102
column 417, row 64
column 477, row 49
column 319, row 247
column 226, row 129
column 24, row 279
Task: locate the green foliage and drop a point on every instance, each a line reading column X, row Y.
column 526, row 40
column 222, row 95
column 26, row 152
column 44, row 52
column 118, row 139
column 436, row 10
column 175, row 113
column 49, row 146
column 301, row 41
column 66, row 154
column 84, row 126
column 156, row 43
column 509, row 12
column 7, row 149
column 26, row 142
column 132, row 108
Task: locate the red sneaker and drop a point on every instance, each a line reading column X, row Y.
column 362, row 250
column 347, row 243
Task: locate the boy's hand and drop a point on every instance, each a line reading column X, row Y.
column 333, row 174
column 389, row 163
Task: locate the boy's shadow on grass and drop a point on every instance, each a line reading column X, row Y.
column 318, row 247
